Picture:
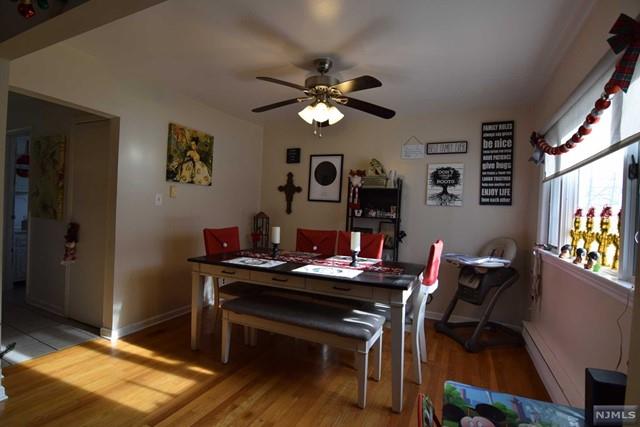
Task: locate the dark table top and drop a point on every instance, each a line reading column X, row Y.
column 380, row 280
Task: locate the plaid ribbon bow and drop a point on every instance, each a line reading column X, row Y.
column 626, row 35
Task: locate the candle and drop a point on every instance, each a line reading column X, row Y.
column 275, row 235
column 355, row 241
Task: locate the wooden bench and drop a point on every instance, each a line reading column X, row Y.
column 339, row 326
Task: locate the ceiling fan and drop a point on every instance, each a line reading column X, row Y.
column 324, row 92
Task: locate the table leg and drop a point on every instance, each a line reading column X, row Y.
column 216, row 302
column 397, row 356
column 197, row 290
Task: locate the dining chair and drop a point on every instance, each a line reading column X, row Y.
column 371, row 244
column 428, row 285
column 226, row 240
column 319, row 241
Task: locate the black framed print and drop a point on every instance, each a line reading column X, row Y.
column 325, row 178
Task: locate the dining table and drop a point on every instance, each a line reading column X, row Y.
column 374, row 281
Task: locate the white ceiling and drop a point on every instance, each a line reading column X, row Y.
column 431, row 55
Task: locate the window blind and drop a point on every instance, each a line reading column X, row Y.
column 618, row 126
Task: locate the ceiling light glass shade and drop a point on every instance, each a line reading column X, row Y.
column 307, row 114
column 321, row 112
column 335, row 115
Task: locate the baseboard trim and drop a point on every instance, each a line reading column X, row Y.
column 115, row 334
column 45, row 306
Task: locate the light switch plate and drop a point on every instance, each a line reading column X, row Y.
column 173, row 191
column 158, row 199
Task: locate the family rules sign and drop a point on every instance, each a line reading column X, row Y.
column 496, row 165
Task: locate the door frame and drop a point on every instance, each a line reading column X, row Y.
column 9, row 198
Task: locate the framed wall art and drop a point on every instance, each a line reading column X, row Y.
column 454, row 147
column 325, row 178
column 444, row 184
column 189, row 156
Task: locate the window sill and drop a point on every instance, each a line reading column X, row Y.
column 606, row 282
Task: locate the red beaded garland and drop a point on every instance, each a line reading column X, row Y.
column 576, row 138
column 584, row 131
column 602, row 104
column 591, row 119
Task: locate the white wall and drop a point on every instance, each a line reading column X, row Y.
column 463, row 229
column 577, row 319
column 151, row 275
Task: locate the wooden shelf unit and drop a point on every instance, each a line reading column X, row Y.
column 381, row 199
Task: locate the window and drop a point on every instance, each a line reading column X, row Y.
column 594, row 175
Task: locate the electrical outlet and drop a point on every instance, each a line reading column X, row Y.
column 158, row 199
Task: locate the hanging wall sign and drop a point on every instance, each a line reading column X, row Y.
column 412, row 148
column 455, row 147
column 496, row 164
column 293, row 155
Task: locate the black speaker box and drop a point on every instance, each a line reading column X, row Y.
column 602, row 387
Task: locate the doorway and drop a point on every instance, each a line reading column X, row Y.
column 16, row 204
column 57, row 171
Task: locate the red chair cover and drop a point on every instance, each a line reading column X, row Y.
column 221, row 240
column 371, row 244
column 319, row 241
column 430, row 274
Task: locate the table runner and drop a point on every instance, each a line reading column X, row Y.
column 364, row 264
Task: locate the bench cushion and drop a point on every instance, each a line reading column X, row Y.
column 343, row 321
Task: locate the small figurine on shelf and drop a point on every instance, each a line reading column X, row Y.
column 565, row 252
column 592, row 261
column 355, row 176
column 576, row 232
column 580, row 254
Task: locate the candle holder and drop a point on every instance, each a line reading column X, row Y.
column 354, row 258
column 276, row 250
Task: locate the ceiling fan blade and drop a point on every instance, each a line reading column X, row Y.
column 276, row 105
column 367, row 107
column 359, row 83
column 282, row 82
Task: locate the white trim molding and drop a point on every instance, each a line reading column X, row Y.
column 618, row 289
column 558, row 383
column 115, row 334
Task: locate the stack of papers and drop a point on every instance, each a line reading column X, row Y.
column 329, row 271
column 255, row 262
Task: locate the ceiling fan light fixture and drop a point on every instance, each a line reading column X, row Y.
column 335, row 115
column 307, row 114
column 321, row 112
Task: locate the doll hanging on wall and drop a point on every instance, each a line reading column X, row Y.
column 70, row 242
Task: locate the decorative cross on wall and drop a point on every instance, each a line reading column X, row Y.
column 289, row 190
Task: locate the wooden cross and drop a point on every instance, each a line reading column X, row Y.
column 289, row 190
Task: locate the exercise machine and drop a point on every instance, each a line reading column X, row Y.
column 484, row 277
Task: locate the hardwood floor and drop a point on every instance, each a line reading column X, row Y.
column 153, row 378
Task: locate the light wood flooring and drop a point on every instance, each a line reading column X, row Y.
column 153, row 378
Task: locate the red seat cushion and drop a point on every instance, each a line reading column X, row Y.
column 430, row 275
column 319, row 241
column 371, row 244
column 221, row 240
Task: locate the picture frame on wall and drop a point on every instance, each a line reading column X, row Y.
column 325, row 178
